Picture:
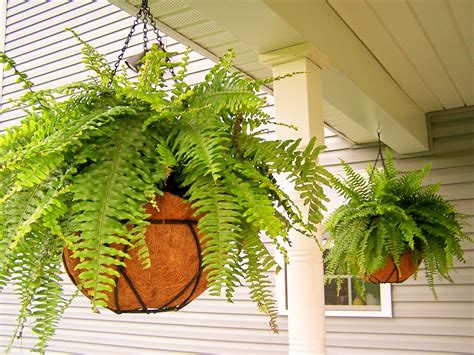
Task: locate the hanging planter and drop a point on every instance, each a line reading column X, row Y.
column 389, row 224
column 176, row 277
column 84, row 175
column 395, row 273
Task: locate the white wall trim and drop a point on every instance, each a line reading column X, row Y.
column 3, row 30
column 384, row 312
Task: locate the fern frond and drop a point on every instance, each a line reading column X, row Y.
column 258, row 262
column 109, row 194
column 222, row 237
column 37, row 278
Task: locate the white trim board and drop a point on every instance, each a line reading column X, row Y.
column 3, row 27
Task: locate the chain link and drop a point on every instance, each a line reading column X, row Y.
column 145, row 34
column 125, row 46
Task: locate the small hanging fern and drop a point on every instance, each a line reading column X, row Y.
column 77, row 172
column 386, row 215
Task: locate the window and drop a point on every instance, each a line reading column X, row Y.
column 378, row 298
column 348, row 303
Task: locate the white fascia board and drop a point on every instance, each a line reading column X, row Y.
column 348, row 98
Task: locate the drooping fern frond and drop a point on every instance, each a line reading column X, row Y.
column 38, row 260
column 258, row 259
column 109, row 194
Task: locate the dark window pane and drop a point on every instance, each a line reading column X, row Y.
column 332, row 297
column 372, row 295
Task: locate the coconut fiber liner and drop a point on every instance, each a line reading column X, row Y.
column 175, row 277
column 391, row 274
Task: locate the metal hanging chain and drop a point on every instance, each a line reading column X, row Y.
column 144, row 14
column 379, row 156
column 125, row 46
column 148, row 17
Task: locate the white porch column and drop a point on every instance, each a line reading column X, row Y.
column 298, row 101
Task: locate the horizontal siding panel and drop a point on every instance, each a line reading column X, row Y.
column 453, row 344
column 16, row 7
column 451, row 175
column 186, row 321
column 24, row 15
column 105, row 41
column 334, row 143
column 464, row 206
column 461, row 191
column 336, row 350
column 53, row 43
column 126, row 344
column 434, row 310
column 360, row 157
column 463, row 113
column 452, row 128
column 446, row 293
column 462, row 275
column 74, row 9
column 27, row 40
column 178, row 331
column 401, row 326
column 462, row 142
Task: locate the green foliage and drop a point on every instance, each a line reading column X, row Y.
column 387, row 214
column 79, row 171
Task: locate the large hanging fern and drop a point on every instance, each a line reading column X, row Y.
column 78, row 172
column 386, row 215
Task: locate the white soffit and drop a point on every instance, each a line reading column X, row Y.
column 197, row 29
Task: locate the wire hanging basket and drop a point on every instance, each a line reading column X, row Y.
column 175, row 277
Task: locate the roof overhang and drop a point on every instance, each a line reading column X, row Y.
column 361, row 96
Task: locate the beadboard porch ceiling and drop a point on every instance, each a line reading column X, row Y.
column 392, row 61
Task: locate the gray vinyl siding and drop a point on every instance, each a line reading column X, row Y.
column 420, row 324
column 36, row 39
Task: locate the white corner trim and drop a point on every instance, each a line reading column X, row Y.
column 3, row 30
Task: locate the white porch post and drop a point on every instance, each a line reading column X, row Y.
column 298, row 101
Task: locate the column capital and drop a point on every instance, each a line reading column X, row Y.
column 289, row 54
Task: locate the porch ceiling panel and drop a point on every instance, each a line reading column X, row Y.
column 426, row 46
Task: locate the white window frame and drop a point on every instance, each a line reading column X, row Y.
column 385, row 310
